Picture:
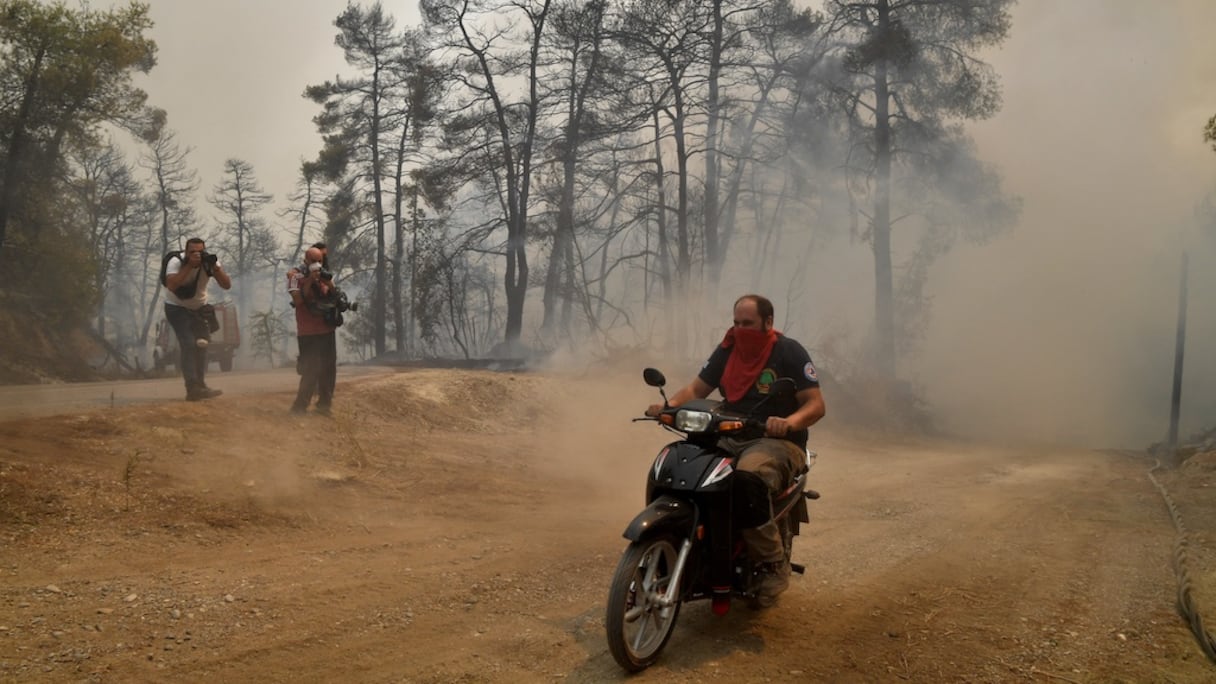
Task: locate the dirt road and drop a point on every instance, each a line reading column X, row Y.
column 462, row 526
column 33, row 401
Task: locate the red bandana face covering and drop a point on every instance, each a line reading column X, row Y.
column 751, row 351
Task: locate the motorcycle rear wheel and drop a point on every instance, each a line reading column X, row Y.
column 638, row 626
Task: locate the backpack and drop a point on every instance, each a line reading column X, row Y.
column 183, row 291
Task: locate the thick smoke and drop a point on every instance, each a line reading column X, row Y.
column 1064, row 330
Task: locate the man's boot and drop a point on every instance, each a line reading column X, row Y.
column 774, row 580
column 201, row 392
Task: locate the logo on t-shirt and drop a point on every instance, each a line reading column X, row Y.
column 809, row 369
column 765, row 381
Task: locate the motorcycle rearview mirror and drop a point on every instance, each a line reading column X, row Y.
column 654, row 377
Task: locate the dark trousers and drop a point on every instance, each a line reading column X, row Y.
column 318, row 366
column 193, row 359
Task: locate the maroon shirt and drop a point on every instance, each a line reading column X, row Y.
column 308, row 321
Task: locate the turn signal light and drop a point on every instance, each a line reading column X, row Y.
column 729, row 425
column 666, row 419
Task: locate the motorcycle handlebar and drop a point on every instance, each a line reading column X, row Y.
column 749, row 424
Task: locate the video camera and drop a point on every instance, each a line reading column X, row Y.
column 333, row 305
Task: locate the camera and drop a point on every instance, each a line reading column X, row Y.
column 209, row 258
column 332, row 306
column 342, row 303
column 325, row 275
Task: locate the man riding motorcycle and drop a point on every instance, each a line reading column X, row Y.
column 744, row 366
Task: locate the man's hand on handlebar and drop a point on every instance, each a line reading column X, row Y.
column 654, row 410
column 776, row 427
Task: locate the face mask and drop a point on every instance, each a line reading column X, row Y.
column 314, row 267
column 750, row 342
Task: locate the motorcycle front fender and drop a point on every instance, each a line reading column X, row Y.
column 664, row 513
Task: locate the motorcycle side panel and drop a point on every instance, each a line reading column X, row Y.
column 663, row 513
column 751, row 505
column 684, row 467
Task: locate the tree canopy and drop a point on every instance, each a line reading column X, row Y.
column 518, row 174
column 63, row 73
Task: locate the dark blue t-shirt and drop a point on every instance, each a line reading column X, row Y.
column 788, row 359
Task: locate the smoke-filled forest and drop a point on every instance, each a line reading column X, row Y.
column 582, row 179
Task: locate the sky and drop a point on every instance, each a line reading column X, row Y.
column 232, row 73
column 1062, row 330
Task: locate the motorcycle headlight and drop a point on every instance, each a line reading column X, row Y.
column 692, row 421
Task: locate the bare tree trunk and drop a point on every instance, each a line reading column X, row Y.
column 457, row 315
column 164, row 248
column 298, row 253
column 404, row 342
column 712, row 170
column 884, row 315
column 380, row 303
column 416, row 223
column 517, row 255
column 562, row 249
column 661, row 211
column 16, row 147
column 684, row 259
column 568, row 263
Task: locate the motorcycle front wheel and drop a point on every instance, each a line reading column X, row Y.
column 638, row 624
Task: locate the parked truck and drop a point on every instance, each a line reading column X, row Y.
column 223, row 346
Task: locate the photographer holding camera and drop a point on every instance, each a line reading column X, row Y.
column 186, row 276
column 312, row 289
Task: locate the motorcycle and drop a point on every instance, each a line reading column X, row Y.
column 686, row 545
